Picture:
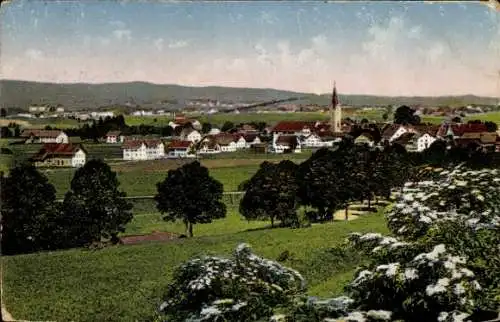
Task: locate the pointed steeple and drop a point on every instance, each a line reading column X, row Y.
column 335, row 99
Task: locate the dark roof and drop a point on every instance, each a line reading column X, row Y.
column 177, row 144
column 57, row 150
column 432, row 130
column 26, row 133
column 155, row 236
column 250, row 137
column 135, row 144
column 113, row 133
column 287, row 139
column 405, row 138
column 390, row 130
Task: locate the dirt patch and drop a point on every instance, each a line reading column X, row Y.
column 5, row 122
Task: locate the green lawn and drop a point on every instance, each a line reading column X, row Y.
column 125, row 283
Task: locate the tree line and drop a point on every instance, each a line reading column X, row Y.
column 94, row 209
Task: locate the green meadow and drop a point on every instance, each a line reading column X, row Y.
column 126, row 283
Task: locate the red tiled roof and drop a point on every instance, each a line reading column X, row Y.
column 293, row 126
column 57, row 149
column 178, row 144
column 429, row 129
column 460, row 129
column 155, row 236
column 26, row 133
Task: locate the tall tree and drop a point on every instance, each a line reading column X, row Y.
column 227, row 126
column 206, row 127
column 190, row 194
column 95, row 205
column 491, row 126
column 28, row 206
column 3, row 112
column 406, row 115
column 318, row 183
column 272, row 194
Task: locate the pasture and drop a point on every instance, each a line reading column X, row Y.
column 125, row 283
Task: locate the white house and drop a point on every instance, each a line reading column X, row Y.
column 143, row 150
column 60, row 155
column 180, row 149
column 44, row 136
column 312, row 141
column 115, row 137
column 286, row 143
column 393, row 132
column 240, row 142
column 251, row 139
column 213, row 131
column 424, row 141
column 189, row 134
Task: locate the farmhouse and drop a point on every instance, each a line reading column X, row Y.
column 458, row 130
column 251, row 139
column 143, row 149
column 180, row 149
column 60, row 155
column 312, row 141
column 287, row 143
column 44, row 136
column 364, row 138
column 114, row 137
column 190, row 134
column 392, row 132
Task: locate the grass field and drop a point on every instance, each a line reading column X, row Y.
column 143, row 183
column 125, row 283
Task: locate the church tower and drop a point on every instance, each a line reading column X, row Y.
column 335, row 112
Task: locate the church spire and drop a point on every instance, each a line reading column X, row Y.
column 335, row 112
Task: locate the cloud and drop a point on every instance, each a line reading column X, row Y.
column 117, row 24
column 175, row 44
column 34, row 54
column 158, row 43
column 122, row 34
column 268, row 18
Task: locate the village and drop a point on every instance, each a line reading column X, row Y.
column 283, row 137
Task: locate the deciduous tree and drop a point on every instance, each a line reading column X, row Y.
column 272, row 194
column 190, row 194
column 28, row 208
column 94, row 204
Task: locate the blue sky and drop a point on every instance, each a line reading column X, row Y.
column 368, row 48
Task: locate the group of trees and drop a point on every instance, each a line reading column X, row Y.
column 327, row 181
column 441, row 263
column 32, row 220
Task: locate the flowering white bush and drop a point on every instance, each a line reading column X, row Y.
column 443, row 260
column 237, row 289
column 441, row 264
column 472, row 197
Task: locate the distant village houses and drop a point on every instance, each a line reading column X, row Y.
column 60, row 155
column 143, row 149
column 44, row 136
column 115, row 137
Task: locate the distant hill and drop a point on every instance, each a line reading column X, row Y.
column 21, row 94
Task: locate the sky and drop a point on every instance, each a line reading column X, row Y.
column 377, row 48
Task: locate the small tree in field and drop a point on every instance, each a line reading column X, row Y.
column 94, row 206
column 27, row 208
column 189, row 193
column 272, row 194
